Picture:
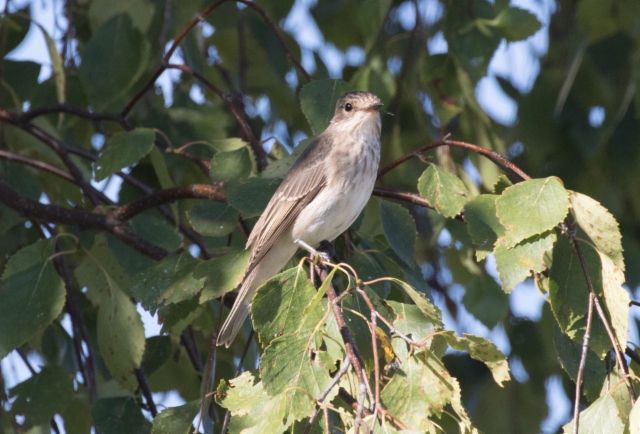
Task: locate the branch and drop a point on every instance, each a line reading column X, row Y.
column 28, row 116
column 33, row 210
column 10, row 156
column 344, row 366
column 583, row 360
column 146, row 391
column 194, row 191
column 621, row 362
column 350, row 346
column 495, row 157
column 199, row 18
column 258, row 150
column 405, row 196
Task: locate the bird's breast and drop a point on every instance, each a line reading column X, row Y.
column 351, row 172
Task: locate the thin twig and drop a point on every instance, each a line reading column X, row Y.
column 621, row 362
column 583, row 360
column 344, row 366
column 491, row 155
column 10, row 156
column 350, row 346
column 146, row 391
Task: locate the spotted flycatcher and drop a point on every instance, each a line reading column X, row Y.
column 321, row 196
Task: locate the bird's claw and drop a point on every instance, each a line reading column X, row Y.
column 317, row 255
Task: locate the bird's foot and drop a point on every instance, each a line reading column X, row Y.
column 316, row 254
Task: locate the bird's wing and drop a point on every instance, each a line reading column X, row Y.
column 303, row 182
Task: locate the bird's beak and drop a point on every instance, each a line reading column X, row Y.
column 375, row 107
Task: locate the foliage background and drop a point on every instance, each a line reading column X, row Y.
column 563, row 103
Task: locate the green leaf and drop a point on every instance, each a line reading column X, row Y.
column 569, row 295
column 483, row 350
column 223, row 274
column 501, row 185
column 252, row 410
column 368, row 268
column 176, row 420
column 278, row 308
column 515, row 265
column 120, row 330
column 598, row 223
column 445, row 191
column 516, row 24
column 428, row 309
column 411, row 321
column 252, row 195
column 634, row 419
column 160, row 167
column 158, row 349
column 42, row 396
column 371, row 17
column 569, row 354
column 119, row 415
column 231, row 166
column 112, row 61
column 600, row 417
column 530, row 208
column 32, row 295
column 286, row 366
column 122, row 150
column 485, row 300
column 57, row 66
column 168, row 281
column 616, row 299
column 318, row 101
column 156, row 230
column 140, row 12
column 421, row 387
column 213, row 219
column 400, row 230
column 483, row 224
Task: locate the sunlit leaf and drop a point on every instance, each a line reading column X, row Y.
column 531, row 208
column 445, row 191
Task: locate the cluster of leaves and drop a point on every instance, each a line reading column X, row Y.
column 78, row 257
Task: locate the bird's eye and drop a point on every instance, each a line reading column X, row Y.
column 348, row 107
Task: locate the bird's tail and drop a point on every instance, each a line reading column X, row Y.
column 239, row 312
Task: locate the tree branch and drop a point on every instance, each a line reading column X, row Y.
column 33, row 210
column 10, row 156
column 28, row 116
column 583, row 360
column 146, row 391
column 495, row 157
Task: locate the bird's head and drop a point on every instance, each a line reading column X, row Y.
column 357, row 108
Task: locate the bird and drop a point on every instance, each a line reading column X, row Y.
column 320, row 197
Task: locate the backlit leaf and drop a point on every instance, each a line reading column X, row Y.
column 445, row 191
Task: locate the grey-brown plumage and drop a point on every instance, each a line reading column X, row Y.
column 321, row 196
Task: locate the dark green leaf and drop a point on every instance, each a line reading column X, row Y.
column 483, row 224
column 169, row 281
column 158, row 350
column 120, row 330
column 223, row 274
column 32, row 295
column 213, row 219
column 122, row 150
column 176, row 420
column 42, row 396
column 252, row 195
column 318, row 101
column 231, row 165
column 119, row 415
column 484, row 299
column 516, row 24
column 400, row 230
column 112, row 61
